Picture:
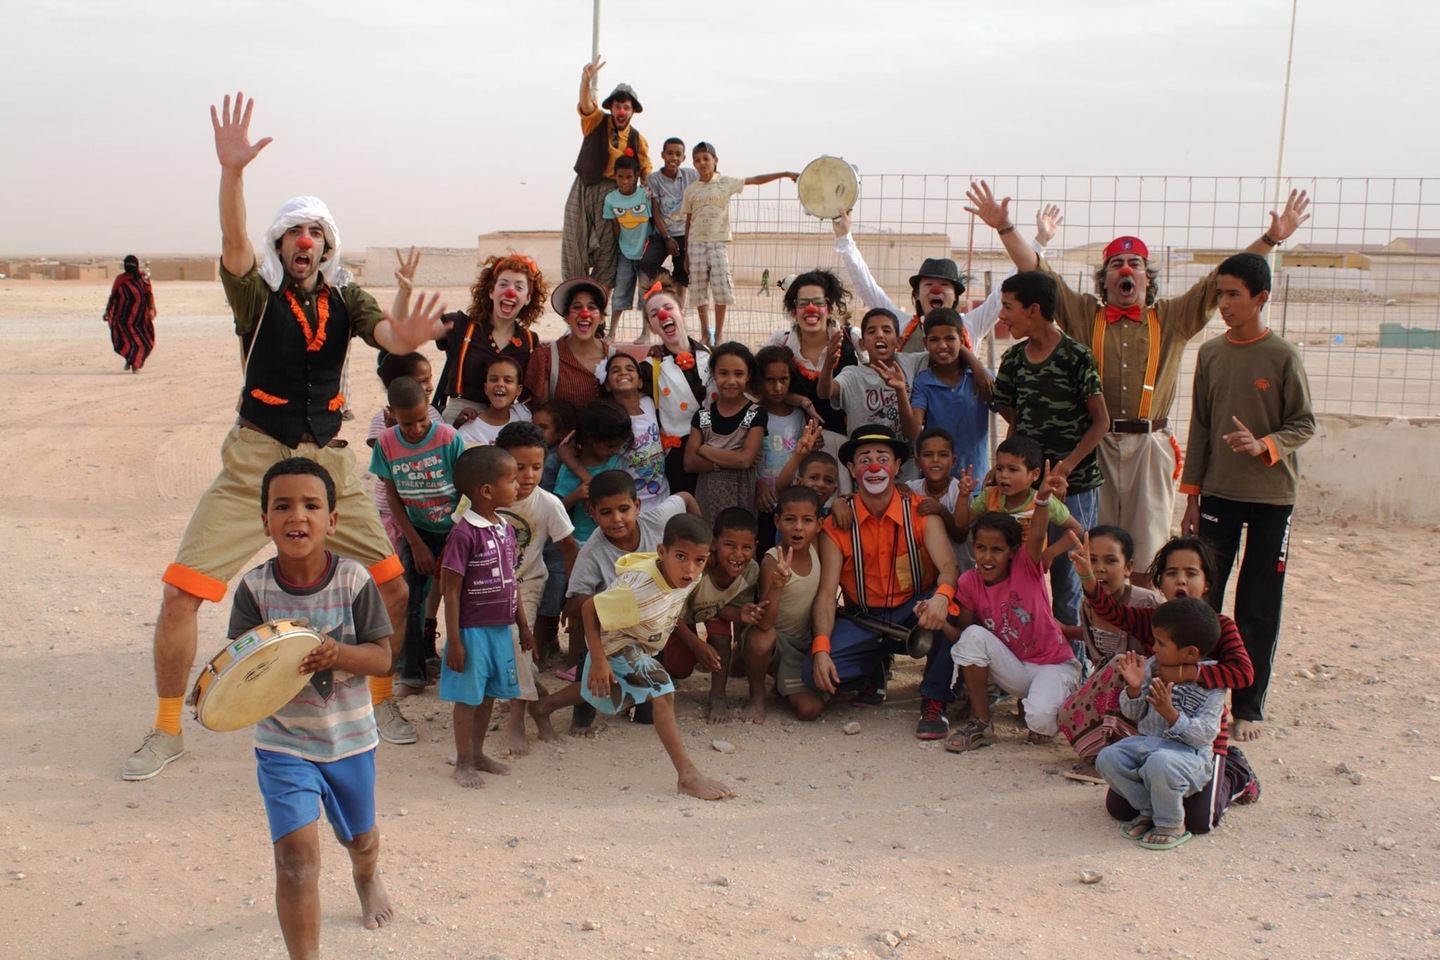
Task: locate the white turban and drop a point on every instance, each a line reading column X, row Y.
column 296, row 211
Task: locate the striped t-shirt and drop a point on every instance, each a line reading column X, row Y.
column 344, row 605
column 423, row 473
column 640, row 608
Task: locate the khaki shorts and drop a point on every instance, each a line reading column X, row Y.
column 526, row 670
column 1138, row 494
column 225, row 531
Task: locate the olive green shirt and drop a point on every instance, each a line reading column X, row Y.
column 249, row 294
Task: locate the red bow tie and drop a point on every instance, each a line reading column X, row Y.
column 1132, row 312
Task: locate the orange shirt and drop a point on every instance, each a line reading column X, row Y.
column 889, row 581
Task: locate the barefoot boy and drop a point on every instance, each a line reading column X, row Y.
column 627, row 625
column 319, row 747
column 481, row 602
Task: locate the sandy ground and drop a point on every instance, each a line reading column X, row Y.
column 836, row 846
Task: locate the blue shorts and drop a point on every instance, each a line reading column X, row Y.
column 489, row 668
column 294, row 788
column 639, row 678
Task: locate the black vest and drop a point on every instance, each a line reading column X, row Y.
column 595, row 151
column 290, row 391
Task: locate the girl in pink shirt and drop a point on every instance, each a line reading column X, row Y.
column 1006, row 632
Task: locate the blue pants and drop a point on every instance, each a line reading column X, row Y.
column 417, row 649
column 859, row 654
column 1155, row 775
column 552, row 601
column 1064, row 581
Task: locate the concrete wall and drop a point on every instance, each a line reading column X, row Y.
column 1373, row 468
column 184, row 268
column 439, row 266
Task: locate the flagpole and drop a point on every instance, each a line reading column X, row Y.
column 1284, row 107
column 595, row 49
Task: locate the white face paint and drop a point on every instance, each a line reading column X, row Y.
column 875, row 481
column 875, row 468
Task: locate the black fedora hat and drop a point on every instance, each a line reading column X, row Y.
column 940, row 268
column 873, row 433
column 625, row 92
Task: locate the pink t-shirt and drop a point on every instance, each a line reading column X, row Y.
column 1017, row 610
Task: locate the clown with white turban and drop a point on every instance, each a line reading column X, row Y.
column 296, row 314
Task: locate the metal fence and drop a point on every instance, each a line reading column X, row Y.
column 1357, row 287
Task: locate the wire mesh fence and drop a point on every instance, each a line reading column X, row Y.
column 1357, row 287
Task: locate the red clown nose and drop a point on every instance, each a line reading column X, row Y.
column 812, row 311
column 305, row 243
column 662, row 314
column 1125, row 272
column 584, row 314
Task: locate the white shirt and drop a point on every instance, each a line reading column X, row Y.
column 478, row 431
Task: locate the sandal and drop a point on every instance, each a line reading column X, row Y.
column 1137, row 829
column 1156, row 840
column 972, row 735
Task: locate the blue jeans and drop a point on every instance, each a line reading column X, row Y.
column 1064, row 581
column 859, row 654
column 1155, row 775
column 417, row 648
column 627, row 273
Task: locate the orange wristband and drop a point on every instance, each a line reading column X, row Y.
column 819, row 644
column 945, row 590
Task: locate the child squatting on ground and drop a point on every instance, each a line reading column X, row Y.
column 319, row 747
column 1177, row 722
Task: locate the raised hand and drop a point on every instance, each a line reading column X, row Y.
column 1047, row 222
column 1080, row 560
column 841, row 224
column 780, row 573
column 418, row 324
column 810, row 438
column 405, row 272
column 232, row 133
column 1132, row 671
column 1287, row 221
column 893, row 376
column 1242, row 440
column 1161, row 701
column 995, row 214
column 1052, row 481
column 966, row 480
column 591, row 71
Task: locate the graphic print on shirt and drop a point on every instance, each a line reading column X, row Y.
column 883, row 407
column 1014, row 619
column 523, row 533
column 631, row 215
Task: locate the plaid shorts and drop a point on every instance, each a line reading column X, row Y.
column 710, row 274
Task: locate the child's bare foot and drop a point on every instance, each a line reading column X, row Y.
column 375, row 909
column 753, row 711
column 1039, row 739
column 1245, row 730
column 543, row 730
column 467, row 776
column 588, row 731
column 491, row 765
column 719, row 711
column 696, row 784
column 515, row 740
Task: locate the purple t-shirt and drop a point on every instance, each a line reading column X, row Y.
column 1017, row 610
column 483, row 553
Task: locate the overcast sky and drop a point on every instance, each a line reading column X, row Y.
column 431, row 121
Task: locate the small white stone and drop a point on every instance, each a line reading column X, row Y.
column 851, row 728
column 722, row 746
column 590, row 925
column 1091, row 876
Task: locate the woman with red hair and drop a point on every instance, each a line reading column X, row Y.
column 505, row 300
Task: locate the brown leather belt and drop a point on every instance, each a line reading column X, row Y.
column 1138, row 426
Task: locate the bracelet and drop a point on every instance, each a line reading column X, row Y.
column 819, row 644
column 1269, row 239
column 1008, row 228
column 1042, row 503
column 945, row 590
column 1089, row 578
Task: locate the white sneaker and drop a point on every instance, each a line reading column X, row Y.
column 156, row 751
column 394, row 728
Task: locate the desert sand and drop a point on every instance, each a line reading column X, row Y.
column 836, row 845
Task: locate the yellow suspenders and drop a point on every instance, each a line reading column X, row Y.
column 1152, row 360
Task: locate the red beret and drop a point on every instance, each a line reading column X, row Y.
column 1126, row 245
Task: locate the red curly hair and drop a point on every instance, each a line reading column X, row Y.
column 481, row 305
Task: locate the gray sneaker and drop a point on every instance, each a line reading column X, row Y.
column 394, row 728
column 156, row 751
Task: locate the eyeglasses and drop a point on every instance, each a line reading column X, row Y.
column 811, row 302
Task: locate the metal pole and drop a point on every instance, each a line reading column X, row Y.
column 595, row 55
column 1284, row 109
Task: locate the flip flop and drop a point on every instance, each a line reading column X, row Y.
column 1171, row 841
column 568, row 674
column 1127, row 829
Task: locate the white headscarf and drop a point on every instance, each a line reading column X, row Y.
column 296, row 211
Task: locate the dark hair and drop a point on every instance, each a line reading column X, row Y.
column 933, row 433
column 687, row 527
column 796, row 493
column 392, row 366
column 1002, row 523
column 1197, row 545
column 562, row 410
column 1120, row 535
column 519, row 374
column 603, row 422
column 627, row 163
column 943, row 317
column 611, row 483
column 705, row 146
column 670, row 140
column 1190, row 621
column 296, row 467
column 879, row 312
column 737, row 519
column 734, row 348
column 480, row 465
column 835, row 293
column 404, row 393
column 772, row 353
column 521, row 433
column 819, row 456
column 610, row 361
column 1026, row 449
column 1250, row 269
column 1033, row 287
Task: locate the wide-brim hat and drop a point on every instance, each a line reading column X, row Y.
column 873, row 433
column 940, row 268
column 560, row 296
column 624, row 91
